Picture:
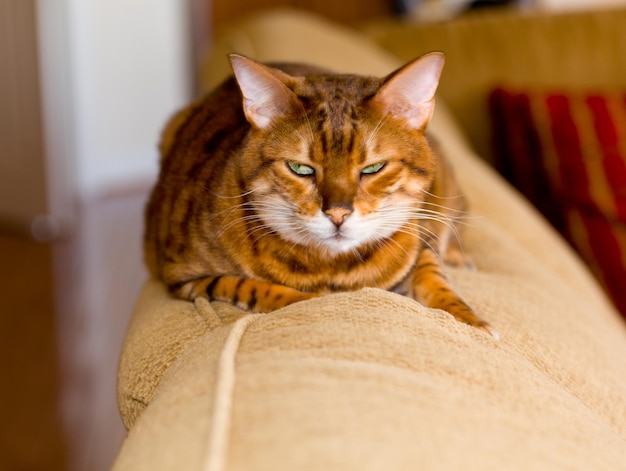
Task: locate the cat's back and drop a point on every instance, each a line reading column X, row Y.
column 195, row 146
column 203, row 127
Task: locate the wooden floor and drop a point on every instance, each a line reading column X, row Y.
column 30, row 436
column 64, row 308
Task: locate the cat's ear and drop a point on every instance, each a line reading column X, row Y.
column 409, row 92
column 265, row 93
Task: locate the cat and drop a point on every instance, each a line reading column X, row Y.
column 288, row 182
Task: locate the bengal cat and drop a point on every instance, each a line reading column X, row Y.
column 289, row 182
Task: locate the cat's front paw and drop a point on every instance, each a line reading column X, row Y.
column 246, row 293
column 491, row 331
column 463, row 313
column 276, row 296
column 455, row 256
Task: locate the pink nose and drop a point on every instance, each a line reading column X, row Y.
column 337, row 215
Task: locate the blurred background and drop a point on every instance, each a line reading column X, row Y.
column 85, row 88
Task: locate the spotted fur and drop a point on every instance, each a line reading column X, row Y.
column 289, row 182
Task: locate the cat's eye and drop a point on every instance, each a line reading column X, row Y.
column 301, row 169
column 374, row 168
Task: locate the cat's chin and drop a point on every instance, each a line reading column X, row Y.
column 339, row 245
column 334, row 246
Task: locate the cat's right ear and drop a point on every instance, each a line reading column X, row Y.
column 265, row 93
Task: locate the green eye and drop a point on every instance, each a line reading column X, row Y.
column 374, row 168
column 301, row 169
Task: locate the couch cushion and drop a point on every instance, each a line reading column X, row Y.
column 582, row 48
column 289, row 35
column 566, row 151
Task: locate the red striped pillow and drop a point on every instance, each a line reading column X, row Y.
column 567, row 153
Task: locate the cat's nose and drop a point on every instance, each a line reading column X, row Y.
column 338, row 215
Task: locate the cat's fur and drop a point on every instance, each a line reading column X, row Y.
column 289, row 182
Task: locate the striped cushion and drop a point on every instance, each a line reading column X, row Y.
column 567, row 153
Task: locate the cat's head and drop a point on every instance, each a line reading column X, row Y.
column 337, row 161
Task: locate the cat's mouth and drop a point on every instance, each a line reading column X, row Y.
column 340, row 234
column 339, row 242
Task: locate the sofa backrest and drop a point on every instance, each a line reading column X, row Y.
column 485, row 49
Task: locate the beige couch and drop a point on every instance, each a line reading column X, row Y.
column 372, row 380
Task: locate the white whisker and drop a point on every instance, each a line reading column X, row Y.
column 375, row 131
column 440, row 197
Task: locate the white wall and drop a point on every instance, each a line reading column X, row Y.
column 129, row 73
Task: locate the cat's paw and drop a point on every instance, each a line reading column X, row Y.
column 277, row 297
column 491, row 331
column 457, row 257
column 463, row 313
column 245, row 293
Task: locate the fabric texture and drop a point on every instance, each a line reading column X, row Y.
column 372, row 380
column 566, row 151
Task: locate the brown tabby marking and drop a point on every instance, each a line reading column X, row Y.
column 290, row 182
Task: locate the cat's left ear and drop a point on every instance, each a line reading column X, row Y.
column 409, row 92
column 265, row 93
